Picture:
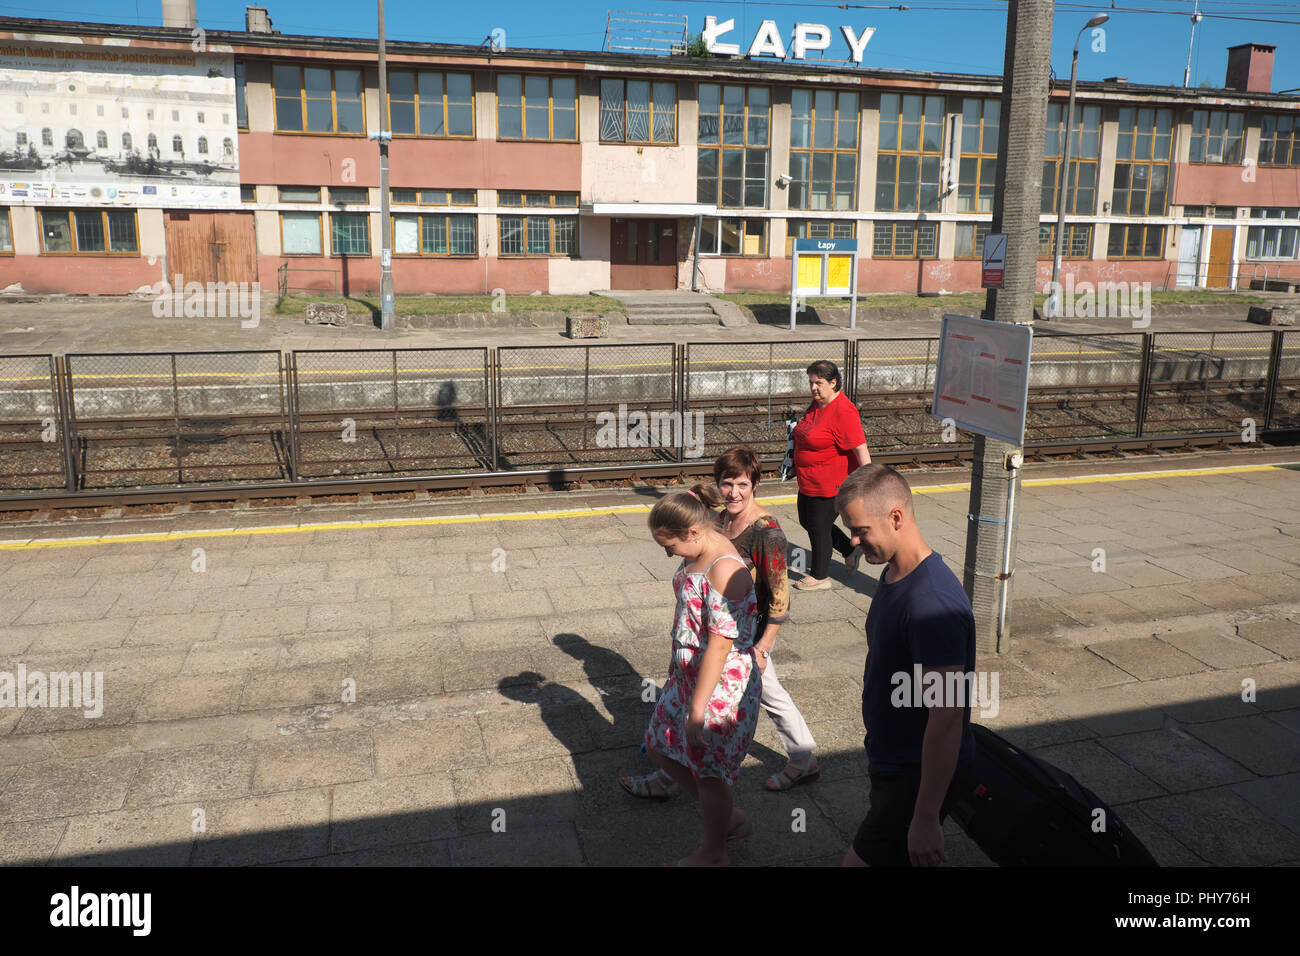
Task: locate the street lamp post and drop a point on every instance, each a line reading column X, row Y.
column 1065, row 170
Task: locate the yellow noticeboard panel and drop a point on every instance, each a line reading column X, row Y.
column 838, row 271
column 810, row 273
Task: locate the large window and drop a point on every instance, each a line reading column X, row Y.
column 978, row 169
column 1141, row 162
column 1279, row 140
column 350, row 233
column 1077, row 244
column 435, row 197
column 817, row 229
column 538, row 235
column 638, row 111
column 733, row 237
column 823, row 150
column 911, row 147
column 1217, row 137
column 112, row 232
column 537, row 107
column 734, row 134
column 6, row 234
column 318, row 99
column 300, row 234
column 905, row 240
column 433, row 234
column 1273, row 242
column 1135, row 241
column 509, row 197
column 1085, row 133
column 431, row 104
column 241, row 99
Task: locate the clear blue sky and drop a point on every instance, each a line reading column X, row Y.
column 941, row 35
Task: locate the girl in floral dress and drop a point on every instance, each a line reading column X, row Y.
column 704, row 719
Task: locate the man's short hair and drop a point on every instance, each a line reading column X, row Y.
column 879, row 488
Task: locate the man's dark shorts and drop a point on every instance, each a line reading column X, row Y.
column 882, row 838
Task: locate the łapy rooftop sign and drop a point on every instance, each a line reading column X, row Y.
column 767, row 39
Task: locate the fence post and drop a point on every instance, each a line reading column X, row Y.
column 176, row 418
column 1144, row 383
column 287, row 415
column 61, row 384
column 295, row 423
column 492, row 378
column 1274, row 370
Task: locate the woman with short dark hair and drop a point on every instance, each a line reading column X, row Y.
column 829, row 444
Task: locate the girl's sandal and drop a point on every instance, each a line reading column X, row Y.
column 811, row 584
column 788, row 777
column 649, row 787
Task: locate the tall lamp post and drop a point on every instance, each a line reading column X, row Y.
column 1098, row 20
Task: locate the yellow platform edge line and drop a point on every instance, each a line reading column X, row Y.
column 35, row 544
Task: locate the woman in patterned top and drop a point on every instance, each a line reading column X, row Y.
column 762, row 545
column 704, row 719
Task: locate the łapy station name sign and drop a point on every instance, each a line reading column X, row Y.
column 768, row 40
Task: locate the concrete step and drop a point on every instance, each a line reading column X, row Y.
column 682, row 311
column 673, row 318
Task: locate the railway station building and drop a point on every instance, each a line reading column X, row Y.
column 130, row 155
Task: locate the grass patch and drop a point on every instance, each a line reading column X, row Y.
column 975, row 300
column 446, row 304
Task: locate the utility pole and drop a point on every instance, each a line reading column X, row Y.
column 995, row 472
column 385, row 220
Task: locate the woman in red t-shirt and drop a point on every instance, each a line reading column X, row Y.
column 828, row 445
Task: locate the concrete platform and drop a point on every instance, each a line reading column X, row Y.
column 114, row 324
column 498, row 657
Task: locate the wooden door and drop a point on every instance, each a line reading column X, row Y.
column 643, row 254
column 211, row 247
column 1219, row 275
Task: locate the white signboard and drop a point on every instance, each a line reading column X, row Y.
column 995, row 260
column 767, row 39
column 982, row 380
column 122, row 125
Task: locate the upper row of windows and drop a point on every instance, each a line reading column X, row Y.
column 545, row 108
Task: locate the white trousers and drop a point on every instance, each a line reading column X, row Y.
column 790, row 725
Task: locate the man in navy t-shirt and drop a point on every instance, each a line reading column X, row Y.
column 916, row 689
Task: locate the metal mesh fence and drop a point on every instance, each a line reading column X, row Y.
column 1083, row 386
column 177, row 417
column 31, row 430
column 391, row 411
column 589, row 405
column 894, row 388
column 1286, row 402
column 1207, row 381
column 740, row 393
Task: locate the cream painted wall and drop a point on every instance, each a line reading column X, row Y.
column 149, row 226
column 625, row 173
column 577, row 276
column 26, row 229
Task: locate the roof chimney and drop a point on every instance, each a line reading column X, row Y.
column 257, row 20
column 179, row 13
column 1250, row 68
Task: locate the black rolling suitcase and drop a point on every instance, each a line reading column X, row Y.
column 1024, row 812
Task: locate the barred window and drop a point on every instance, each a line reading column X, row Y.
column 970, row 239
column 434, row 234
column 1279, row 140
column 978, row 167
column 638, row 111
column 905, row 240
column 1085, row 132
column 1217, row 137
column 733, row 237
column 911, row 147
column 426, row 103
column 537, row 107
column 88, row 230
column 350, row 233
column 318, row 99
column 1077, row 245
column 538, row 235
column 1273, row 242
column 823, row 150
column 734, row 134
column 817, row 229
column 1135, row 242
